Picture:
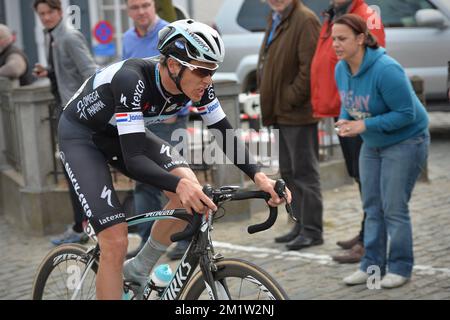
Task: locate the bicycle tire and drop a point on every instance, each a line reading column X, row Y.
column 236, row 269
column 65, row 253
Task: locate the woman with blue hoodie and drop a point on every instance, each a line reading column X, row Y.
column 378, row 103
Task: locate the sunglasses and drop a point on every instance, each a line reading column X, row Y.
column 199, row 71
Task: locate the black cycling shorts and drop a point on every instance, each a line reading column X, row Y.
column 85, row 156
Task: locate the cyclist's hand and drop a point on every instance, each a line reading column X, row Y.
column 193, row 198
column 266, row 184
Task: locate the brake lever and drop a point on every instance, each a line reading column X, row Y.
column 280, row 189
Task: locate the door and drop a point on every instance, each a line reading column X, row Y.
column 422, row 51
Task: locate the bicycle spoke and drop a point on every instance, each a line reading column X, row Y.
column 240, row 289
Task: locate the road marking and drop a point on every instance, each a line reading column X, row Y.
column 261, row 253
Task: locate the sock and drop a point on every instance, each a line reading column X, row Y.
column 137, row 269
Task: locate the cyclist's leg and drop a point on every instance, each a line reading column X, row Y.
column 138, row 268
column 90, row 176
column 113, row 243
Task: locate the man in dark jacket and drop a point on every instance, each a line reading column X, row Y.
column 13, row 62
column 284, row 83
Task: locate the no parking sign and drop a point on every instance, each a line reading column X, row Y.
column 103, row 32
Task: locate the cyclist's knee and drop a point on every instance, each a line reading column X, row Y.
column 113, row 243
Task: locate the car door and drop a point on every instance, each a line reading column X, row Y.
column 422, row 51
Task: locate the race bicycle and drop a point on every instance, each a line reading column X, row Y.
column 68, row 272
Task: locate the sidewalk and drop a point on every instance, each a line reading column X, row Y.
column 305, row 274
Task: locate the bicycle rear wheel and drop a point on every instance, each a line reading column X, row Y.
column 237, row 280
column 62, row 271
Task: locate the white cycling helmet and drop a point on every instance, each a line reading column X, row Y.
column 191, row 40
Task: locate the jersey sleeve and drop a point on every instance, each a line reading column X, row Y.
column 209, row 107
column 128, row 88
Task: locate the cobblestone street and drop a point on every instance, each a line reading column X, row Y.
column 309, row 273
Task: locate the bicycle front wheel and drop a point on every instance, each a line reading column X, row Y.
column 65, row 275
column 236, row 280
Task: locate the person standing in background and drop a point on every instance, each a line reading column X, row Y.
column 13, row 61
column 70, row 63
column 283, row 76
column 379, row 103
column 141, row 41
column 448, row 81
column 326, row 101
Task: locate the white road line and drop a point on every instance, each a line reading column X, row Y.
column 261, row 253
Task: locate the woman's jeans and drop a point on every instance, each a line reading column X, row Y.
column 388, row 176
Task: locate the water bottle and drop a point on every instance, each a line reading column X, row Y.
column 126, row 295
column 158, row 281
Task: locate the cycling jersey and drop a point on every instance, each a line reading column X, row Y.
column 131, row 91
column 105, row 122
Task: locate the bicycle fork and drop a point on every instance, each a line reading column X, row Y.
column 92, row 257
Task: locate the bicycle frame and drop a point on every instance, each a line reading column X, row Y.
column 191, row 258
column 197, row 253
column 200, row 250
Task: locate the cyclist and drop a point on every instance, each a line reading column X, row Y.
column 104, row 123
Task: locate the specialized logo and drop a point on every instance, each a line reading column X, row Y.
column 165, row 150
column 123, row 101
column 160, row 213
column 106, row 194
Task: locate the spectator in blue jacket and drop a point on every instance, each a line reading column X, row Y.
column 141, row 41
column 379, row 103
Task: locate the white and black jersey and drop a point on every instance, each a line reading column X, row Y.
column 105, row 122
column 129, row 94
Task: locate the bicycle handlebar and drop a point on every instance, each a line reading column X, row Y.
column 194, row 226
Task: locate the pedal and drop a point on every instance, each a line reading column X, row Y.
column 218, row 257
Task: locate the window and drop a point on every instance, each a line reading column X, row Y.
column 400, row 13
column 252, row 15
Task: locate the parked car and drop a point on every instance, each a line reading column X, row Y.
column 181, row 9
column 417, row 35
